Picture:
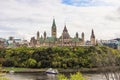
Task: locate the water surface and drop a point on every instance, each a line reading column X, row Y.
column 44, row 76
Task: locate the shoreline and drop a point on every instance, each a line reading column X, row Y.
column 31, row 70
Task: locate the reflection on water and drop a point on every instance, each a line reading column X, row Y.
column 95, row 77
column 31, row 76
column 44, row 76
column 52, row 76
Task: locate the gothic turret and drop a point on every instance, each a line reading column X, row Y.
column 77, row 36
column 83, row 38
column 92, row 39
column 45, row 35
column 54, row 30
column 38, row 35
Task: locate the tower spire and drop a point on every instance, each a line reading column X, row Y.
column 53, row 24
column 53, row 30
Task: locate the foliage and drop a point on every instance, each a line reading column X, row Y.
column 62, row 77
column 56, row 57
column 76, row 76
column 3, row 78
column 108, row 63
column 29, row 63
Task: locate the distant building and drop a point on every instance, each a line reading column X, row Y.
column 118, row 45
column 64, row 40
column 14, row 43
column 2, row 42
column 110, row 43
column 25, row 43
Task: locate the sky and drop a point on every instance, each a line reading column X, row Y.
column 23, row 18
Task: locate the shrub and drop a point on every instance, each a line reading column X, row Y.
column 76, row 76
column 62, row 77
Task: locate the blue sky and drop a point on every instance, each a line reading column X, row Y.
column 86, row 3
column 23, row 18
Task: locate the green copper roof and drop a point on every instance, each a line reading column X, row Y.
column 75, row 40
column 41, row 40
column 53, row 25
column 48, row 39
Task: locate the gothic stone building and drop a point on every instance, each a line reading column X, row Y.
column 64, row 40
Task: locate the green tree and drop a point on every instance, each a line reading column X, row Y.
column 30, row 63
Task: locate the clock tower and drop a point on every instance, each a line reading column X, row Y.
column 53, row 30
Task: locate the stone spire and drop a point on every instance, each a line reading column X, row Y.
column 65, row 33
column 65, row 29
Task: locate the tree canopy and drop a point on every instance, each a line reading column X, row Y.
column 56, row 57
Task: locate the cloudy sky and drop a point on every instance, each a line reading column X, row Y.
column 23, row 18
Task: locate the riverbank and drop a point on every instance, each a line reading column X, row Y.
column 31, row 70
column 22, row 70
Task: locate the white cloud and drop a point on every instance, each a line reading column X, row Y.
column 26, row 17
column 115, row 2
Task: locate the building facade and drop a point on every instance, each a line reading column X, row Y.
column 64, row 40
column 113, row 43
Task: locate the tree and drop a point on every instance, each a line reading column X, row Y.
column 31, row 63
column 108, row 63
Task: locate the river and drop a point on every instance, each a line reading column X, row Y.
column 44, row 76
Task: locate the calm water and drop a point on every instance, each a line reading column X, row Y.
column 44, row 76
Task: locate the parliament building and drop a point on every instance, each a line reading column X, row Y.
column 64, row 40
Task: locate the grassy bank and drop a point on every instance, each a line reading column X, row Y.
column 30, row 70
column 7, row 69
